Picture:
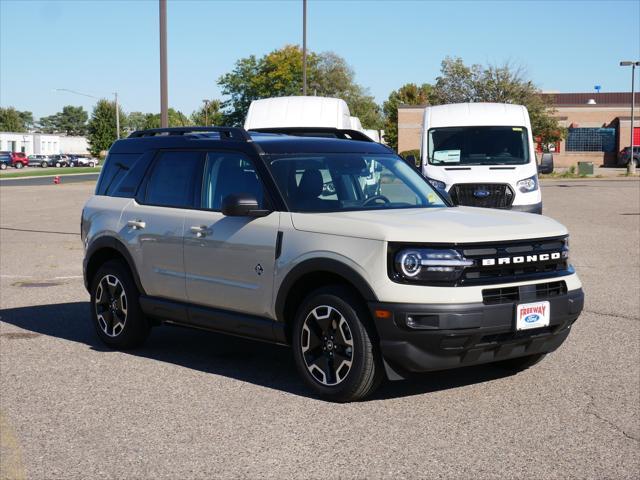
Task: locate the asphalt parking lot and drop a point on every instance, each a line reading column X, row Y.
column 193, row 404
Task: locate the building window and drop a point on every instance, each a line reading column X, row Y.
column 591, row 140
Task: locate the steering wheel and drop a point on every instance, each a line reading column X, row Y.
column 374, row 199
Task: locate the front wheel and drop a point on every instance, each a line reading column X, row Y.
column 19, row 165
column 3, row 166
column 92, row 164
column 115, row 307
column 44, row 165
column 335, row 346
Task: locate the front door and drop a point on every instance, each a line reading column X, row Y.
column 229, row 261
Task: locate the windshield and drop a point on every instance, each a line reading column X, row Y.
column 338, row 182
column 478, row 146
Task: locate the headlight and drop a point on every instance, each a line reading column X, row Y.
column 425, row 264
column 528, row 184
column 437, row 184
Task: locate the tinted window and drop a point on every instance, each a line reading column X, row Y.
column 227, row 173
column 172, row 179
column 114, row 170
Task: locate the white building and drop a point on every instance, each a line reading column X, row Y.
column 42, row 143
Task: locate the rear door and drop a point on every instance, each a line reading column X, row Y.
column 229, row 261
column 153, row 223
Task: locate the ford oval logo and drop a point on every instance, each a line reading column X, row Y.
column 533, row 318
column 481, row 193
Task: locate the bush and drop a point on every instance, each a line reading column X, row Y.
column 415, row 153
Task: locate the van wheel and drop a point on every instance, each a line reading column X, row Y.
column 335, row 347
column 115, row 307
column 521, row 363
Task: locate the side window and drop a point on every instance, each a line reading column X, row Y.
column 226, row 173
column 173, row 179
column 114, row 170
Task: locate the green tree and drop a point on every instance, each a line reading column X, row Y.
column 12, row 120
column 101, row 130
column 176, row 119
column 408, row 94
column 458, row 83
column 279, row 73
column 71, row 121
column 136, row 121
column 209, row 115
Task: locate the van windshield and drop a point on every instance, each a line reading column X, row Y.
column 336, row 182
column 478, row 146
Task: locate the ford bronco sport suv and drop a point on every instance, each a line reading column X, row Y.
column 274, row 237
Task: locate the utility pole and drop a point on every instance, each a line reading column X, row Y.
column 631, row 166
column 164, row 96
column 304, row 48
column 117, row 117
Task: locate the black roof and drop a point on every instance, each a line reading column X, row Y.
column 238, row 139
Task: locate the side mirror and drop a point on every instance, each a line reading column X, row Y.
column 242, row 205
column 546, row 163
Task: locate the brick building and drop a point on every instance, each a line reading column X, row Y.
column 598, row 126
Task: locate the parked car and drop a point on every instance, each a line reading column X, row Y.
column 5, row 160
column 19, row 160
column 624, row 155
column 232, row 231
column 59, row 161
column 38, row 161
column 82, row 161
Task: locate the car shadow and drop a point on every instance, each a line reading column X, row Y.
column 259, row 363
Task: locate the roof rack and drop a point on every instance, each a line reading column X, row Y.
column 344, row 134
column 226, row 133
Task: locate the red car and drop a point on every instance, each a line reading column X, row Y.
column 19, row 160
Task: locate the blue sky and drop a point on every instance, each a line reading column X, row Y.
column 99, row 47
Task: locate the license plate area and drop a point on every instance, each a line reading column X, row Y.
column 532, row 315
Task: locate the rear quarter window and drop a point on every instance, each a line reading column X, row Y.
column 116, row 168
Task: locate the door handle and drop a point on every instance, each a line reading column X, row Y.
column 136, row 224
column 200, row 230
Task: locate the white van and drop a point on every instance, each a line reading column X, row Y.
column 482, row 154
column 299, row 112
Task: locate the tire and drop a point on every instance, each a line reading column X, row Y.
column 19, row 165
column 3, row 166
column 44, row 165
column 335, row 313
column 120, row 323
column 58, row 164
column 92, row 164
column 521, row 363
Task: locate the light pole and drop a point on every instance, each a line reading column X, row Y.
column 206, row 112
column 304, row 48
column 631, row 166
column 97, row 98
column 164, row 95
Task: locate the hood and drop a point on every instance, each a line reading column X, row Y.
column 510, row 174
column 431, row 225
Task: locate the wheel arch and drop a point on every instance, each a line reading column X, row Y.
column 104, row 249
column 311, row 275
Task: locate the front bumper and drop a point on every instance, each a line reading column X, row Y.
column 459, row 335
column 530, row 208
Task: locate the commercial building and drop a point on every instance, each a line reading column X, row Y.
column 598, row 127
column 43, row 143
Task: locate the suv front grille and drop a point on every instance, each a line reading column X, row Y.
column 540, row 291
column 487, row 195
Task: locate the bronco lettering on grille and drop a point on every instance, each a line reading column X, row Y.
column 542, row 257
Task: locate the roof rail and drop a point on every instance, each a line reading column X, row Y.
column 226, row 133
column 344, row 134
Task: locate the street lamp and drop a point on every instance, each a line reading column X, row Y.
column 631, row 166
column 97, row 98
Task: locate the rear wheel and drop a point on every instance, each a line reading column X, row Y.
column 92, row 164
column 58, row 164
column 3, row 166
column 115, row 307
column 19, row 165
column 44, row 165
column 521, row 363
column 335, row 347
